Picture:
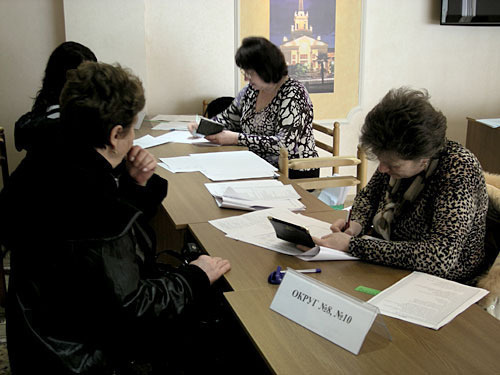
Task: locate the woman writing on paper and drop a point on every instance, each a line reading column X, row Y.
column 85, row 293
column 271, row 112
column 426, row 204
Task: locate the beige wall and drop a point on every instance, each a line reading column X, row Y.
column 185, row 49
column 405, row 45
column 29, row 32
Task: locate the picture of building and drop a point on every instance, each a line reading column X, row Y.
column 310, row 59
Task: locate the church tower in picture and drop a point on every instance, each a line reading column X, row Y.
column 309, row 58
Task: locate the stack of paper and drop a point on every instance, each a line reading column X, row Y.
column 255, row 228
column 255, row 195
column 426, row 300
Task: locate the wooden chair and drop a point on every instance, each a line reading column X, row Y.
column 5, row 175
column 335, row 162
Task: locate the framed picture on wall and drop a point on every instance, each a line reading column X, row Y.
column 321, row 41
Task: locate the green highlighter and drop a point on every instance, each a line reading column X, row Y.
column 367, row 290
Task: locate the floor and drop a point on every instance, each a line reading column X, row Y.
column 4, row 360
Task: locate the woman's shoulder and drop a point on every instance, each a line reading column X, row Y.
column 458, row 161
column 294, row 88
column 457, row 155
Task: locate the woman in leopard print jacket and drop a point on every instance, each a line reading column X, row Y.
column 425, row 207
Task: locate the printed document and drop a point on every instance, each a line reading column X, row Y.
column 255, row 195
column 426, row 300
column 255, row 228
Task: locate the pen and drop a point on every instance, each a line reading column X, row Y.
column 348, row 221
column 310, row 270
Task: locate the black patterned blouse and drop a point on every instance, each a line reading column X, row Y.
column 285, row 121
column 442, row 231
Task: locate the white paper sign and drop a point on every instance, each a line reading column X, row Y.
column 326, row 311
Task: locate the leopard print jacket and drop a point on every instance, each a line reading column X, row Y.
column 442, row 231
column 285, row 122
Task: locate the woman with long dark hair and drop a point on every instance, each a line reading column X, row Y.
column 43, row 119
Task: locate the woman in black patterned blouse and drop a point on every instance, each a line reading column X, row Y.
column 272, row 111
column 425, row 207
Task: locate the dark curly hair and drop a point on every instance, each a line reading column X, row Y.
column 97, row 97
column 264, row 57
column 66, row 56
column 404, row 123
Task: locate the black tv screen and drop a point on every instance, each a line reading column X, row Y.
column 470, row 12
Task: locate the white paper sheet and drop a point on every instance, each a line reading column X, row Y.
column 180, row 164
column 172, row 125
column 426, row 300
column 262, row 193
column 491, row 122
column 255, row 228
column 217, row 189
column 177, row 136
column 233, row 165
column 181, row 118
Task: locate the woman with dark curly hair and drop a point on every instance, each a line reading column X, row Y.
column 43, row 119
column 425, row 207
column 271, row 112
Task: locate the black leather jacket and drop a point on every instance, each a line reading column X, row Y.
column 85, row 292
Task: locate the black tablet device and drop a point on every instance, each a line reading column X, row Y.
column 291, row 232
column 208, row 127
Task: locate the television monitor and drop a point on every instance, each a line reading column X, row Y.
column 470, row 12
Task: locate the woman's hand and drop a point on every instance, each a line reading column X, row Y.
column 337, row 241
column 339, row 225
column 140, row 165
column 214, row 267
column 225, row 137
column 192, row 127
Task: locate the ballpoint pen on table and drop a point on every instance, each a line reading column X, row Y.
column 309, row 270
column 277, row 275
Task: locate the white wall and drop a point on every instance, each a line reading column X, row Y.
column 191, row 48
column 182, row 50
column 113, row 29
column 29, row 31
column 185, row 50
column 405, row 45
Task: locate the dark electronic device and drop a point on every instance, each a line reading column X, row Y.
column 292, row 232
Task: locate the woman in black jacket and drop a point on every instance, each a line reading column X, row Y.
column 85, row 295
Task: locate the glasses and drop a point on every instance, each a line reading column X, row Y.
column 246, row 73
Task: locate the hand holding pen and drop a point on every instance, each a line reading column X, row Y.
column 349, row 227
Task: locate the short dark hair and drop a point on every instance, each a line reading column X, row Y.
column 264, row 57
column 66, row 56
column 404, row 123
column 96, row 98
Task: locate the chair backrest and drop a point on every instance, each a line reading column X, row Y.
column 214, row 107
column 4, row 166
column 335, row 162
column 332, row 147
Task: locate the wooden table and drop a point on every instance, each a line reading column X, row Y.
column 466, row 345
column 188, row 201
column 250, row 264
